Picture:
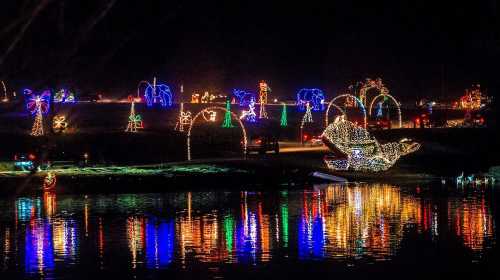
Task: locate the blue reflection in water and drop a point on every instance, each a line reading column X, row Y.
column 28, row 208
column 246, row 242
column 160, row 238
column 39, row 248
column 311, row 232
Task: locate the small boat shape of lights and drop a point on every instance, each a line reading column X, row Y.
column 353, row 148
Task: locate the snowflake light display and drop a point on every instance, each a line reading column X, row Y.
column 249, row 115
column 184, row 119
column 315, row 97
column 59, row 123
column 353, row 148
column 64, row 96
column 158, row 93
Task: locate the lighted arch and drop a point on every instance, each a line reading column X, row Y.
column 245, row 141
column 398, row 106
column 346, row 95
column 336, row 107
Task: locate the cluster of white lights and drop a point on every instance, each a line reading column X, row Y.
column 353, row 148
column 347, row 96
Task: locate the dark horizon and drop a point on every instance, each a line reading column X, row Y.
column 418, row 49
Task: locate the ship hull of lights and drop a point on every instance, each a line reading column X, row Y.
column 353, row 148
column 315, row 97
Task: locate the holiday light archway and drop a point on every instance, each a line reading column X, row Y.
column 347, row 95
column 398, row 106
column 336, row 107
column 211, row 109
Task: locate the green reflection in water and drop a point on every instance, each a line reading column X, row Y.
column 229, row 229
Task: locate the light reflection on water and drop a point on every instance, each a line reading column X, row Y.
column 365, row 222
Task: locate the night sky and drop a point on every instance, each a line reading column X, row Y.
column 416, row 47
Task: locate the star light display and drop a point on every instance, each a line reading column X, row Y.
column 244, row 97
column 184, row 119
column 284, row 119
column 314, row 96
column 387, row 96
column 250, row 115
column 64, row 96
column 307, row 118
column 264, row 89
column 353, row 148
column 134, row 121
column 59, row 123
column 158, row 93
column 227, row 116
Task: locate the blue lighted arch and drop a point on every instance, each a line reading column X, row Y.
column 159, row 93
column 314, row 96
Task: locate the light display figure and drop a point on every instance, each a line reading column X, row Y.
column 353, row 148
column 184, row 119
column 134, row 121
column 264, row 89
column 371, row 84
column 308, row 115
column 314, row 96
column 64, row 96
column 250, row 115
column 59, row 123
column 244, row 97
column 284, row 119
column 5, row 97
column 158, row 93
column 227, row 116
column 37, row 105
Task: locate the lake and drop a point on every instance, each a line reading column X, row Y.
column 328, row 231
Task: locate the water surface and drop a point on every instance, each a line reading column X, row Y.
column 354, row 228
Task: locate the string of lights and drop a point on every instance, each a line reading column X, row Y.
column 398, row 106
column 213, row 109
column 314, row 96
column 134, row 121
column 353, row 148
column 346, row 95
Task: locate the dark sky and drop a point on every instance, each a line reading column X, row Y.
column 110, row 45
